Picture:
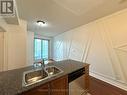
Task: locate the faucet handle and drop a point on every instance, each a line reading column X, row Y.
column 39, row 62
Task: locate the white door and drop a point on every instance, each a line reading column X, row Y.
column 1, row 50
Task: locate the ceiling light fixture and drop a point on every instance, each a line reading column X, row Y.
column 41, row 23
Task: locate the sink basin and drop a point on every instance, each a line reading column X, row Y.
column 35, row 76
column 52, row 70
column 31, row 77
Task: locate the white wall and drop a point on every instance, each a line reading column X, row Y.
column 30, row 48
column 1, row 50
column 102, row 44
column 16, row 47
column 15, row 41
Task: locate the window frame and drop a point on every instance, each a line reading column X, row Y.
column 41, row 47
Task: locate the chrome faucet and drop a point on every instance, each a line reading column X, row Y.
column 39, row 63
column 43, row 63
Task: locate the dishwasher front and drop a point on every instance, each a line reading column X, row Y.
column 77, row 82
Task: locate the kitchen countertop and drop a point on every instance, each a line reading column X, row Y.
column 11, row 81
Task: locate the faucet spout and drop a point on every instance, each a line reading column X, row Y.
column 43, row 63
column 39, row 63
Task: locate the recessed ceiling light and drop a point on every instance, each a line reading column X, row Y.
column 41, row 23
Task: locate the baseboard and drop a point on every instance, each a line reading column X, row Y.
column 111, row 81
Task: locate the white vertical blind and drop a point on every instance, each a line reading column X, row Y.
column 41, row 49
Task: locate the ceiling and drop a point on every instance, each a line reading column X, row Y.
column 63, row 15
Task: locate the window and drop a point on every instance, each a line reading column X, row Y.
column 41, row 49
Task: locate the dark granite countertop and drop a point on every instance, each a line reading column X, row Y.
column 11, row 81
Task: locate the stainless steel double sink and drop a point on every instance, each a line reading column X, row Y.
column 38, row 75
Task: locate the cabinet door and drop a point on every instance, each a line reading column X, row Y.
column 41, row 90
column 87, row 80
column 59, row 86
